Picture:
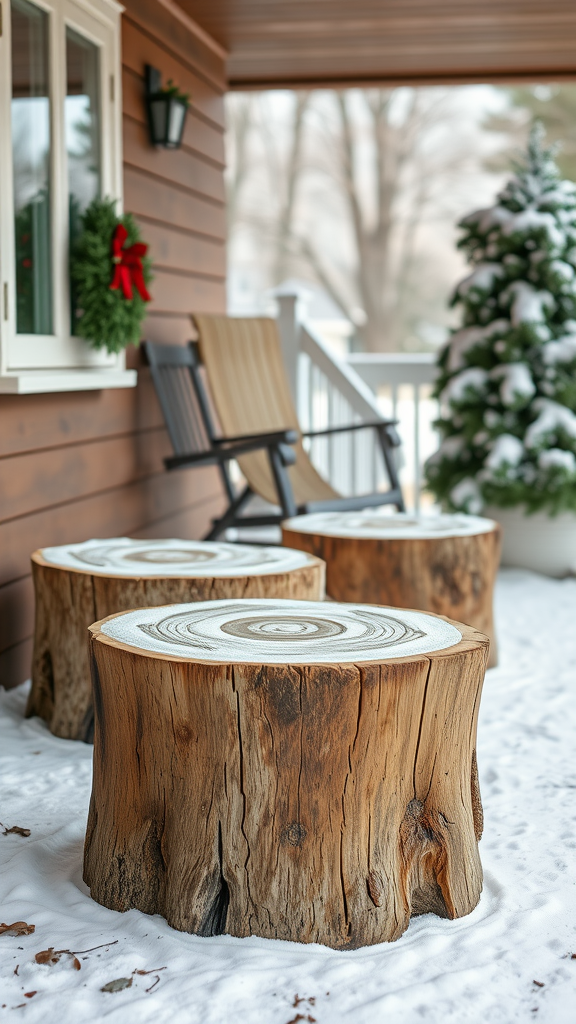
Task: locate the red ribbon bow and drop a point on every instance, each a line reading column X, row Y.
column 128, row 265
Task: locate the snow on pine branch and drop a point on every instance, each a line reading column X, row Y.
column 507, row 377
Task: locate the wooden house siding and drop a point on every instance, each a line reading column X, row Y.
column 89, row 464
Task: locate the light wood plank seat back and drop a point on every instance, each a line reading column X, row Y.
column 249, row 387
column 226, row 398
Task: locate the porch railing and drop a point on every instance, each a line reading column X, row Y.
column 403, row 383
column 329, row 392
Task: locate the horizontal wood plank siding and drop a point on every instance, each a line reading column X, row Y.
column 174, row 207
column 79, row 465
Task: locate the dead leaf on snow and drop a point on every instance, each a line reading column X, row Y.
column 53, row 956
column 46, row 956
column 18, row 928
column 16, row 831
column 155, row 970
column 16, row 969
column 117, row 985
column 28, row 995
column 540, row 984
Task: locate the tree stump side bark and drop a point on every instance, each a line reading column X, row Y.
column 69, row 600
column 451, row 576
column 315, row 803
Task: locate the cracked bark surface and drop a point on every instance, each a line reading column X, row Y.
column 69, row 600
column 451, row 576
column 315, row 803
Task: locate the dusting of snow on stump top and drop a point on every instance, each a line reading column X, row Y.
column 372, row 525
column 279, row 632
column 121, row 556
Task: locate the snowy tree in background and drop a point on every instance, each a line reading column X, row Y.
column 507, row 382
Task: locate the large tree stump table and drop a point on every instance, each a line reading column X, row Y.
column 80, row 583
column 289, row 769
column 446, row 564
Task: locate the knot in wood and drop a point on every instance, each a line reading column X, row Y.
column 416, row 827
column 294, row 834
column 184, row 733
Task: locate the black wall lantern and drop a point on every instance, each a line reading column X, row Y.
column 166, row 109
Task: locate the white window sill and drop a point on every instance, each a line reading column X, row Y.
column 31, row 382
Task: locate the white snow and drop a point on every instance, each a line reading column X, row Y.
column 481, row 278
column 481, row 969
column 271, row 632
column 379, row 524
column 563, row 191
column 473, row 379
column 506, row 450
column 551, row 417
column 466, row 495
column 491, row 417
column 563, row 350
column 531, row 219
column 516, row 382
column 528, row 304
column 557, row 457
column 450, row 448
column 542, row 331
column 563, row 269
column 468, row 337
column 492, row 216
column 123, row 556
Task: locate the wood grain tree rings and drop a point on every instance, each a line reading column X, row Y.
column 289, row 769
column 446, row 564
column 79, row 583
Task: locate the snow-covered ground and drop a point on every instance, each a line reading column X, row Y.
column 509, row 961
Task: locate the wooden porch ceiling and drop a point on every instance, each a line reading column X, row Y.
column 298, row 43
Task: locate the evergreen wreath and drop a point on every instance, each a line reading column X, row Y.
column 104, row 316
column 507, row 377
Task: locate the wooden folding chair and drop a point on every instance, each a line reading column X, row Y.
column 185, row 405
column 249, row 387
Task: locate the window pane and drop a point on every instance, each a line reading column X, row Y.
column 82, row 120
column 31, row 161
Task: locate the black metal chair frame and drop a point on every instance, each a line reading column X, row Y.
column 196, row 443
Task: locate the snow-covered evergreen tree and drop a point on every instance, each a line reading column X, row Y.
column 507, row 382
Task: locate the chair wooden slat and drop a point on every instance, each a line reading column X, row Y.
column 249, row 387
column 246, row 414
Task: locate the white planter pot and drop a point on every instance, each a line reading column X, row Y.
column 540, row 542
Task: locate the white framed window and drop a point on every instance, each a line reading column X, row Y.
column 60, row 117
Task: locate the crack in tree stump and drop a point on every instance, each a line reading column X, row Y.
column 293, row 770
column 78, row 584
column 445, row 564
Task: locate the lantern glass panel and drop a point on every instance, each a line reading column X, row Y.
column 175, row 123
column 159, row 118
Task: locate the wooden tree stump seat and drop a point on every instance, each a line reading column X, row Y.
column 446, row 564
column 288, row 769
column 77, row 584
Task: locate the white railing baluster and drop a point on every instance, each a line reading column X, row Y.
column 417, row 472
column 333, row 392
